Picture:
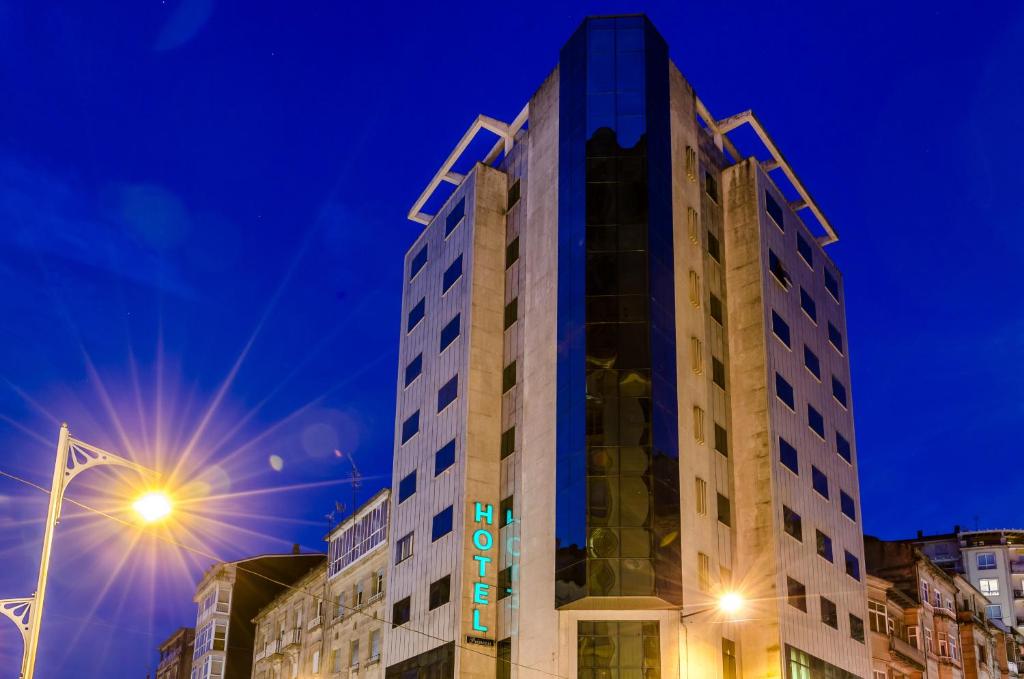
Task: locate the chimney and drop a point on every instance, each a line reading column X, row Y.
column 295, row 549
column 920, row 534
column 956, row 529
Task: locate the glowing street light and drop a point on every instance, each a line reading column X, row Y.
column 73, row 458
column 731, row 603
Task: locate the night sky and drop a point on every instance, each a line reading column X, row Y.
column 202, row 224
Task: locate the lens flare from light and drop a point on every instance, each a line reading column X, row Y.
column 730, row 603
column 153, row 506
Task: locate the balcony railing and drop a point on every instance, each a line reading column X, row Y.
column 274, row 647
column 315, row 622
column 293, row 638
column 376, row 597
column 910, row 654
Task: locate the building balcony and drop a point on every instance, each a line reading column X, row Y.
column 909, row 654
column 293, row 638
column 939, row 610
column 376, row 597
column 315, row 622
column 275, row 648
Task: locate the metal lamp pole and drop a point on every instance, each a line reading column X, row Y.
column 73, row 457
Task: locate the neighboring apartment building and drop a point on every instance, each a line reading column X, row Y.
column 227, row 599
column 992, row 560
column 623, row 391
column 176, row 655
column 331, row 623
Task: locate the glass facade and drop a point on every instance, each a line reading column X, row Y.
column 617, row 518
column 618, row 649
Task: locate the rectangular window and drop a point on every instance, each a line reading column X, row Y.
column 375, row 637
column 508, row 442
column 511, row 313
column 829, row 616
column 774, row 211
column 788, row 456
column 400, row 612
column 411, row 426
column 407, row 487
column 416, row 314
column 451, row 275
column 780, row 328
column 450, row 332
column 695, row 293
column 440, row 592
column 448, row 393
column 815, row 421
column 504, row 582
column 508, row 377
column 994, row 612
column 403, row 548
column 503, row 665
column 696, row 356
column 701, row 494
column 698, row 424
column 824, row 545
column 839, row 391
column 691, row 163
column 624, row 649
column 454, row 217
column 808, row 305
column 419, row 260
column 724, row 510
column 692, row 225
column 718, row 372
column 847, row 506
column 986, row 561
column 414, row 369
column 912, row 636
column 832, row 285
column 441, row 525
column 856, row 628
column 513, row 195
column 811, row 362
column 710, row 186
column 784, row 390
column 852, row 566
column 792, row 523
column 843, row 448
column 819, row 482
column 989, row 586
column 796, row 594
column 353, row 655
column 507, row 508
column 721, row 440
column 714, row 249
column 778, row 269
column 512, row 252
column 804, row 248
column 835, row 338
column 715, row 308
column 703, row 572
column 444, row 457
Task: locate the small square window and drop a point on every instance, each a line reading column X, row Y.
column 448, row 393
column 507, row 507
column 714, row 249
column 400, row 612
column 407, row 487
column 414, row 369
column 718, row 372
column 444, row 457
column 819, row 482
column 828, row 613
column 508, row 442
column 411, row 426
column 511, row 313
column 512, row 252
column 986, row 561
column 856, row 628
column 721, row 440
column 824, row 545
column 418, row 261
column 455, row 217
column 724, row 510
column 792, row 523
column 847, row 506
column 815, row 421
column 416, row 314
column 808, row 305
column 843, row 448
column 715, row 308
column 513, row 194
column 839, row 391
column 450, row 332
column 504, row 582
column 832, row 285
column 804, row 248
column 788, row 456
column 796, row 594
column 780, row 328
column 774, row 211
column 508, row 377
column 441, row 524
column 440, row 592
column 778, row 270
column 784, row 390
column 811, row 362
column 852, row 566
column 452, row 274
column 835, row 337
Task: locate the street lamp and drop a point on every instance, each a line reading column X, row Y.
column 728, row 604
column 73, row 458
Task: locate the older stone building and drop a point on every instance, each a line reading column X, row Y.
column 288, row 630
column 176, row 655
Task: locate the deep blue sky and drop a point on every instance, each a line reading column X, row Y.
column 179, row 178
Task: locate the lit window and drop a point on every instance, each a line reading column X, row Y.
column 413, row 370
column 780, row 328
column 419, row 260
column 815, row 421
column 808, row 305
column 416, row 314
column 989, row 586
column 804, row 248
column 847, row 506
column 986, row 561
column 407, row 487
column 811, row 362
column 788, row 456
column 448, row 393
column 403, row 548
column 454, row 217
column 451, row 275
column 784, row 390
column 774, row 210
column 444, row 457
column 819, row 482
column 792, row 523
column 450, row 332
column 441, row 524
column 411, row 426
column 796, row 594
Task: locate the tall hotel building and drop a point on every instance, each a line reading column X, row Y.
column 623, row 392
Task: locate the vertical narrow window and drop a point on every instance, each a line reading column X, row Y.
column 704, row 572
column 507, row 509
column 418, row 261
column 823, row 544
column 815, row 421
column 780, row 328
column 701, row 494
column 856, row 628
column 452, row 274
column 721, row 440
column 835, row 337
column 692, row 225
column 696, row 355
column 710, row 186
column 843, row 448
column 698, row 424
column 831, row 284
column 788, row 456
column 808, row 305
column 792, row 523
column 811, row 362
column 454, row 217
column 450, row 332
column 718, row 372
column 695, row 294
column 503, row 666
column 729, row 666
column 804, row 248
column 403, row 548
column 828, row 613
column 839, row 391
column 513, row 194
column 691, row 164
column 724, row 510
column 416, row 314
column 508, row 377
column 444, row 457
column 512, row 252
column 819, row 482
column 714, row 247
column 400, row 612
column 411, row 426
column 508, row 442
column 796, row 594
column 447, row 393
column 511, row 312
column 784, row 390
column 407, row 487
column 441, row 524
column 413, row 369
column 774, row 211
column 847, row 506
column 852, row 566
column 715, row 309
column 778, row 269
column 504, row 582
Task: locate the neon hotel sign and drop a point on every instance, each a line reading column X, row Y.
column 483, row 542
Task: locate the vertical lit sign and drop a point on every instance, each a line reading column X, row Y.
column 483, row 541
